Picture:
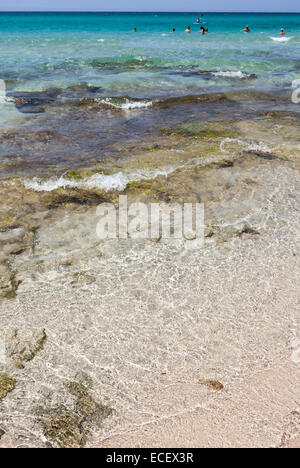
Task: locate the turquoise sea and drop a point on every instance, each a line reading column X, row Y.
column 58, row 58
column 42, row 50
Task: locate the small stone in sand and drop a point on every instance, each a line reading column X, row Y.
column 213, row 385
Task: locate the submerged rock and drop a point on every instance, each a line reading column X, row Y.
column 7, row 384
column 8, row 283
column 77, row 196
column 68, row 428
column 22, row 349
column 86, row 406
column 213, row 385
column 62, row 427
column 28, row 101
column 2, row 432
column 83, row 276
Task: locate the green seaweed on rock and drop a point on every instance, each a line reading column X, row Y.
column 7, row 384
column 86, row 406
column 62, row 427
column 69, row 427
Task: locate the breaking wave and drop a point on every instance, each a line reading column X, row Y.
column 280, row 39
column 125, row 103
column 117, row 181
column 260, row 147
column 233, row 74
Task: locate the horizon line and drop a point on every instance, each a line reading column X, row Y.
column 148, row 11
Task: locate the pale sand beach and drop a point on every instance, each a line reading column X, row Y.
column 258, row 411
column 153, row 344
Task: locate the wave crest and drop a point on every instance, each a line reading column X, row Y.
column 125, row 103
column 281, row 39
column 117, row 181
column 259, row 147
column 233, row 74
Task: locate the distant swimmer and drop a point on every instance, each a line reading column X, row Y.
column 174, row 30
column 282, row 32
column 246, row 30
column 188, row 29
column 134, row 30
column 203, row 31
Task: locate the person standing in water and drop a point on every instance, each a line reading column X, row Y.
column 188, row 29
column 246, row 30
column 134, row 30
column 282, row 32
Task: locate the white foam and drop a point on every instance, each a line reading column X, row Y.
column 260, row 147
column 100, row 40
column 127, row 104
column 280, row 39
column 117, row 181
column 231, row 74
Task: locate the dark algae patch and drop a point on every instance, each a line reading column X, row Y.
column 69, row 427
column 77, row 196
column 7, row 384
column 62, row 427
column 86, row 406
